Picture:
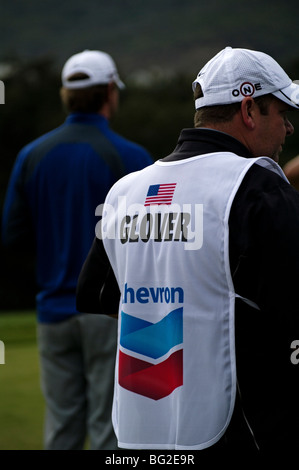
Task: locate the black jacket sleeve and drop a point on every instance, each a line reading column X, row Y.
column 264, row 241
column 97, row 288
column 264, row 258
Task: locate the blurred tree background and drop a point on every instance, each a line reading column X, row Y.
column 153, row 110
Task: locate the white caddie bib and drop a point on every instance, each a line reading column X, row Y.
column 165, row 230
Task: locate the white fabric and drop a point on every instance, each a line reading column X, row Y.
column 173, row 282
column 97, row 65
column 236, row 73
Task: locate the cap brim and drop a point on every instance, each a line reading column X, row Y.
column 87, row 83
column 120, row 84
column 289, row 95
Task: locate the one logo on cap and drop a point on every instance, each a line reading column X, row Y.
column 247, row 89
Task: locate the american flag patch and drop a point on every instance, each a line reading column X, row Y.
column 160, row 194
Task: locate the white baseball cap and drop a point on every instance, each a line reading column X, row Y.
column 236, row 73
column 97, row 65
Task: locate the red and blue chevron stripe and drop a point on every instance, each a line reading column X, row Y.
column 160, row 371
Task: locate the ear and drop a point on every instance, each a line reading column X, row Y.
column 111, row 87
column 248, row 109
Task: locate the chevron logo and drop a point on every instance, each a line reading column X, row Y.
column 151, row 355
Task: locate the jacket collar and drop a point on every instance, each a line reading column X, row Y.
column 86, row 118
column 200, row 141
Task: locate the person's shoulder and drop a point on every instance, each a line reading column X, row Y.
column 265, row 203
column 130, row 147
column 263, row 178
column 262, row 187
column 132, row 178
column 38, row 142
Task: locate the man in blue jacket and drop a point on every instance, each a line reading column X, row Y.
column 55, row 186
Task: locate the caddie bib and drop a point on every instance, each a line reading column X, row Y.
column 165, row 230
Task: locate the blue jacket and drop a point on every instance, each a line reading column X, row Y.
column 56, row 184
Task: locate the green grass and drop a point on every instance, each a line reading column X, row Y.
column 21, row 401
